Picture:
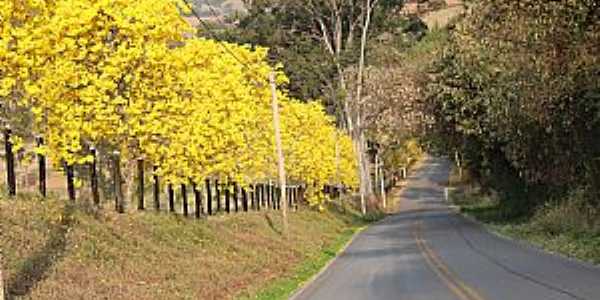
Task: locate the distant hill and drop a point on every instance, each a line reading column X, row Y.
column 212, row 9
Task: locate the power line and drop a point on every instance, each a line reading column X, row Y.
column 212, row 11
column 212, row 34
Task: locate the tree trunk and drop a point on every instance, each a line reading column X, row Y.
column 337, row 168
column 367, row 163
column 332, row 39
column 458, row 165
column 280, row 157
column 129, row 181
column 363, row 181
column 347, row 110
column 365, row 178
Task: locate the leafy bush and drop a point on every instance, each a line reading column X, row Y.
column 573, row 216
column 516, row 93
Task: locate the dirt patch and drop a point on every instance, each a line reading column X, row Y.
column 441, row 18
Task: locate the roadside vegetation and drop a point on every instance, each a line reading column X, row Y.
column 54, row 251
column 516, row 98
column 509, row 89
column 568, row 226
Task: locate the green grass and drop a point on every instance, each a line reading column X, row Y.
column 568, row 228
column 575, row 243
column 283, row 288
column 53, row 251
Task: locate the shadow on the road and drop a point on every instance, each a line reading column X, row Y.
column 393, row 229
column 417, row 193
column 404, row 251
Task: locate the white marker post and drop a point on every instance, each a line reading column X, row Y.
column 383, row 195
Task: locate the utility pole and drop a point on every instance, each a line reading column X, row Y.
column 279, row 148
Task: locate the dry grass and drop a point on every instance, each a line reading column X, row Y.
column 49, row 255
column 441, row 18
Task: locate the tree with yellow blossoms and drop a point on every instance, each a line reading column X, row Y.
column 127, row 74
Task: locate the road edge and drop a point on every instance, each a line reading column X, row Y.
column 525, row 243
column 304, row 285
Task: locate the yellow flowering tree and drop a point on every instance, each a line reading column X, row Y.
column 128, row 74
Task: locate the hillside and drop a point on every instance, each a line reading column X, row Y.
column 210, row 8
column 54, row 252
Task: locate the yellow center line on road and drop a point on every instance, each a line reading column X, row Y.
column 456, row 286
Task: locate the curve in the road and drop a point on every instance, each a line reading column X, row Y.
column 429, row 252
column 517, row 273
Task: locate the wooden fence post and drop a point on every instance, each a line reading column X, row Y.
column 156, row 189
column 218, row 195
column 278, row 196
column 235, row 197
column 141, row 188
column 268, row 194
column 257, row 197
column 41, row 168
column 184, row 200
column 198, row 200
column 94, row 177
column 227, row 200
column 11, row 180
column 70, row 170
column 293, row 197
column 118, row 188
column 263, row 196
column 296, row 197
column 275, row 192
column 252, row 197
column 208, row 198
column 272, row 195
column 245, row 200
column 171, row 195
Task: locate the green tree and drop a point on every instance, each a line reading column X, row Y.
column 518, row 91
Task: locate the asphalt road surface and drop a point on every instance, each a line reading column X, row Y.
column 429, row 252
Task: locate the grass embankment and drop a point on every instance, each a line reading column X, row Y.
column 569, row 227
column 54, row 252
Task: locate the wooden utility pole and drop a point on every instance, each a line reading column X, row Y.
column 279, row 147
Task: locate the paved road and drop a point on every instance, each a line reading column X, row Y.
column 428, row 252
